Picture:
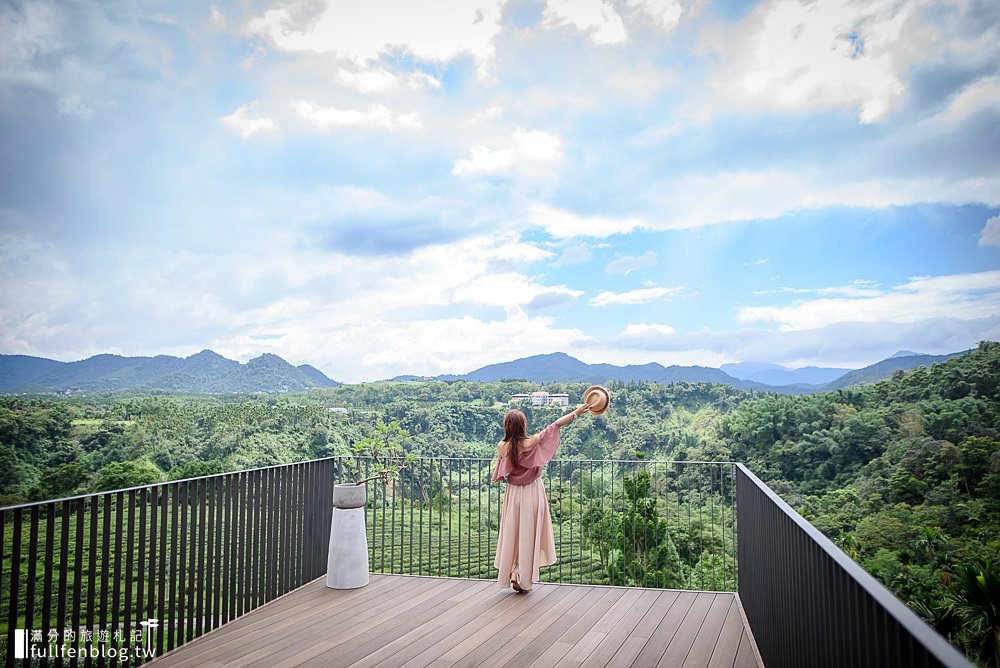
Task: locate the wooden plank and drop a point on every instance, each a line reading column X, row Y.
column 489, row 640
column 621, row 630
column 665, row 630
column 724, row 654
column 454, row 628
column 376, row 638
column 532, row 640
column 633, row 645
column 299, row 631
column 314, row 600
column 348, row 631
column 686, row 633
column 708, row 635
column 426, row 621
column 744, row 655
column 415, row 642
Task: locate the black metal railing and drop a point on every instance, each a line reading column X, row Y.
column 626, row 523
column 115, row 578
column 809, row 604
column 154, row 567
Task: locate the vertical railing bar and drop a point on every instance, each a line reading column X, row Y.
column 281, row 532
column 63, row 574
column 126, row 605
column 209, row 588
column 438, row 476
column 559, row 495
column 180, row 621
column 451, row 513
column 276, row 525
column 29, row 600
column 234, row 580
column 461, row 468
column 227, row 563
column 116, row 585
column 393, row 506
column 284, row 570
column 306, row 511
column 271, row 537
column 154, row 528
column 105, row 566
column 300, row 528
column 256, row 544
column 140, row 580
column 260, row 542
column 15, row 580
column 203, row 581
column 249, row 525
column 50, row 511
column 489, row 519
column 192, row 592
column 78, row 549
column 293, row 559
column 216, row 561
column 409, row 502
column 162, row 567
column 479, row 519
column 420, row 544
column 91, row 570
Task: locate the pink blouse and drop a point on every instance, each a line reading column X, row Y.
column 530, row 462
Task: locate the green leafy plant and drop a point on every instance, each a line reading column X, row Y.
column 384, row 450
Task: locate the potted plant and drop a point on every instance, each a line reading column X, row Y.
column 347, row 559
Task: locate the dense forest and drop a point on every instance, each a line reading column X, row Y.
column 904, row 474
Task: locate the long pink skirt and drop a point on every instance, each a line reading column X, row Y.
column 526, row 542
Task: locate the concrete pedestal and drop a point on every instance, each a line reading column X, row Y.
column 347, row 560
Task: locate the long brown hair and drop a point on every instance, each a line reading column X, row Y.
column 515, row 427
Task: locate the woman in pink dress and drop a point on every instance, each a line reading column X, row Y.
column 526, row 542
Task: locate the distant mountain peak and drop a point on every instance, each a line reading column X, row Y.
column 207, row 354
column 205, row 372
column 904, row 353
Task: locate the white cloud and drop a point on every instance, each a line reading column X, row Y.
column 991, row 232
column 527, row 150
column 597, row 18
column 627, row 264
column 428, row 30
column 367, row 81
column 706, row 199
column 979, row 95
column 640, row 296
column 960, row 296
column 245, row 125
column 72, row 105
column 485, row 115
column 564, row 224
column 379, row 80
column 665, row 14
column 378, row 116
column 844, row 344
column 642, row 329
column 802, row 57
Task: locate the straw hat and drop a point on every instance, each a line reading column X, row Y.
column 597, row 398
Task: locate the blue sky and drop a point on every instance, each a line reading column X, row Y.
column 395, row 187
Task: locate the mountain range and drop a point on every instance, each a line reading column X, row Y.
column 206, row 372
column 562, row 368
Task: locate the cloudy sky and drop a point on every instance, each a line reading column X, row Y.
column 393, row 186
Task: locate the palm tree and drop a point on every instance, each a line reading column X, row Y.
column 975, row 595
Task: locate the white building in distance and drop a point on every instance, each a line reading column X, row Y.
column 539, row 399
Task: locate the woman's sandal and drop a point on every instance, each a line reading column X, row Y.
column 515, row 585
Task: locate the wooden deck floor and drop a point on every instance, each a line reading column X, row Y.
column 422, row 621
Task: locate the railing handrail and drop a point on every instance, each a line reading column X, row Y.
column 152, row 485
column 320, row 459
column 940, row 648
